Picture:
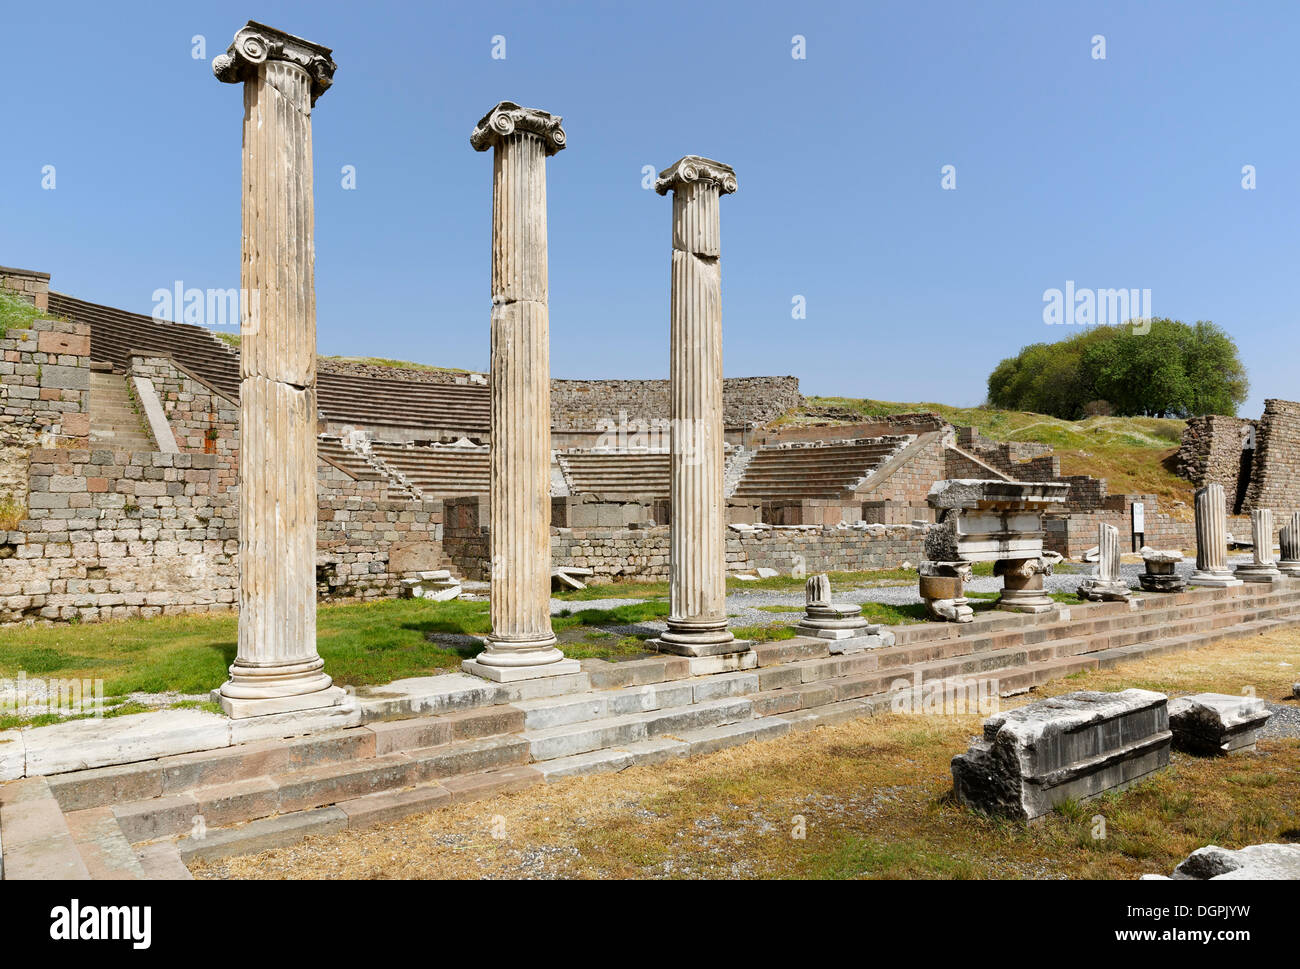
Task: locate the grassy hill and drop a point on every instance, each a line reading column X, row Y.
column 1134, row 454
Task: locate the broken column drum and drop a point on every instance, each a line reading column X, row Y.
column 1107, row 585
column 1263, row 567
column 1212, row 539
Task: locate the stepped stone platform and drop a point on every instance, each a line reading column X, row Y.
column 139, row 797
column 815, row 470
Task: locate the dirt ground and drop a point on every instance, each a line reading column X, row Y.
column 866, row 799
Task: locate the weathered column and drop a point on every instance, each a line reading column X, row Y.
column 1108, row 584
column 1212, row 539
column 277, row 667
column 521, row 644
column 1263, row 567
column 697, row 623
column 1290, row 542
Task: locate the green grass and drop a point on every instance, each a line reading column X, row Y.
column 16, row 314
column 361, row 643
column 402, row 364
column 1134, row 454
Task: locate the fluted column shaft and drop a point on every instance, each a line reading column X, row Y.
column 520, row 535
column 1211, row 530
column 277, row 666
column 1289, row 539
column 1212, row 539
column 1261, row 534
column 521, row 402
column 1110, row 555
column 697, row 623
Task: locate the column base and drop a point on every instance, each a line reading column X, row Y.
column 702, row 639
column 1102, row 590
column 1258, row 573
column 1214, row 580
column 1162, row 582
column 1289, row 569
column 513, row 674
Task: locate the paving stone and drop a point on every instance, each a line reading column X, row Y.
column 102, row 845
column 277, row 832
column 468, row 756
column 159, row 817
column 471, row 787
column 98, row 786
column 710, row 739
column 391, row 805
column 161, row 861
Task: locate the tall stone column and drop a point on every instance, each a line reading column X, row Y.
column 1212, row 539
column 521, row 644
column 1290, row 542
column 277, row 668
column 697, row 623
column 1263, row 567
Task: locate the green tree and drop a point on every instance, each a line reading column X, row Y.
column 1169, row 369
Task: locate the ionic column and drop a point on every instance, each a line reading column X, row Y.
column 1212, row 539
column 697, row 624
column 277, row 667
column 521, row 644
column 1290, row 542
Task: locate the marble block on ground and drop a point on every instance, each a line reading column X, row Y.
column 1216, row 723
column 1074, row 746
column 1267, row 862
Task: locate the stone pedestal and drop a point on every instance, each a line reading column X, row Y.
column 521, row 644
column 1212, row 539
column 843, row 625
column 1022, row 584
column 1290, row 542
column 697, row 623
column 943, row 591
column 1161, row 573
column 1264, row 567
column 1107, row 585
column 277, row 668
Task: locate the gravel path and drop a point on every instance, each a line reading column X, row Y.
column 743, row 606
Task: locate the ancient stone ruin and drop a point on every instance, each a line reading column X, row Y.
column 843, row 625
column 988, row 521
column 277, row 667
column 1107, row 585
column 1161, row 573
column 1263, row 567
column 1216, row 723
column 1212, row 540
column 1070, row 747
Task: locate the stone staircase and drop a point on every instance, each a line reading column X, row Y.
column 437, row 472
column 431, row 741
column 814, row 471
column 642, row 473
column 114, row 420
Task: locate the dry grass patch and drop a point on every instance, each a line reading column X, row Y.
column 872, row 798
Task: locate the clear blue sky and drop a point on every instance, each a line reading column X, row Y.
column 1123, row 172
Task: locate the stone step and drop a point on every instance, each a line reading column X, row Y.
column 295, row 791
column 550, row 743
column 451, row 692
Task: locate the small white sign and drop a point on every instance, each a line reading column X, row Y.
column 1139, row 517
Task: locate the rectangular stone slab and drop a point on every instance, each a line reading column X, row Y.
column 1074, row 746
column 1216, row 723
